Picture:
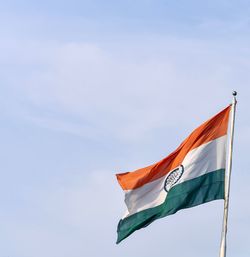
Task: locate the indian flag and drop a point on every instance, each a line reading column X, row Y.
column 191, row 175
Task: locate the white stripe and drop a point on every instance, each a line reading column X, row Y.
column 206, row 158
column 201, row 160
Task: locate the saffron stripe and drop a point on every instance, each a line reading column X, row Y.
column 208, row 131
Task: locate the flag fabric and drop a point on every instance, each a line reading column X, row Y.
column 191, row 175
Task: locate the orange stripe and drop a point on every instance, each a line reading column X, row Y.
column 210, row 130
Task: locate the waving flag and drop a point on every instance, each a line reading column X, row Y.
column 191, row 175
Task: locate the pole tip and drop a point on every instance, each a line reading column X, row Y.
column 234, row 93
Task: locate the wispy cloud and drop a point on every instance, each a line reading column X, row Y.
column 91, row 88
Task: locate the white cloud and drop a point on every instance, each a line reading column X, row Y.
column 86, row 88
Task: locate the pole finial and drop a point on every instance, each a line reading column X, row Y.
column 234, row 93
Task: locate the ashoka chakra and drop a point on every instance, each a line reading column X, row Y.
column 173, row 177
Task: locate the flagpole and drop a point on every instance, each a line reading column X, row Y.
column 228, row 172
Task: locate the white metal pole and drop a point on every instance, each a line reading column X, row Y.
column 228, row 172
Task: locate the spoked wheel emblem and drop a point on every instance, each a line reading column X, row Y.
column 173, row 177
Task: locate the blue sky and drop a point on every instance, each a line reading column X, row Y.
column 92, row 88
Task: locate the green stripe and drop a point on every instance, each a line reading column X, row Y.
column 190, row 193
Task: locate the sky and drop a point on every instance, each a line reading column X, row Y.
column 94, row 88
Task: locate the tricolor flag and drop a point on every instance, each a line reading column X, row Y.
column 191, row 175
